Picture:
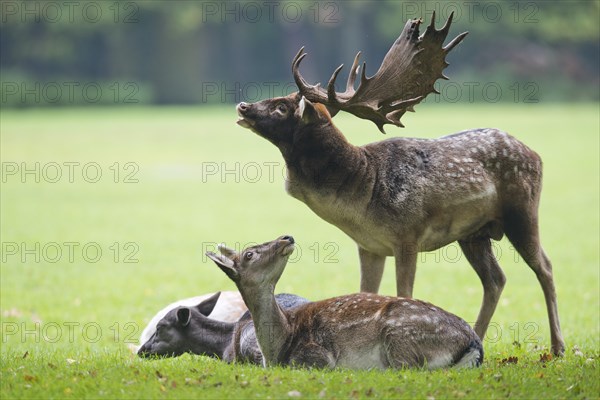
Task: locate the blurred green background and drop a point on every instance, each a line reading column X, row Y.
column 197, row 52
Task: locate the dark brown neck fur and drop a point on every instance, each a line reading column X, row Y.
column 320, row 156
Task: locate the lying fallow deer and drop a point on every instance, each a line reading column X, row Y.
column 195, row 330
column 229, row 308
column 358, row 331
column 402, row 196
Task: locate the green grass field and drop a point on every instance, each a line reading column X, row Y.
column 106, row 215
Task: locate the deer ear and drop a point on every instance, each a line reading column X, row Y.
column 307, row 111
column 226, row 251
column 184, row 316
column 301, row 106
column 207, row 306
column 226, row 264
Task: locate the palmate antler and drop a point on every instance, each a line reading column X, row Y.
column 405, row 77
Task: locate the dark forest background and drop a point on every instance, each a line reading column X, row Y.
column 196, row 52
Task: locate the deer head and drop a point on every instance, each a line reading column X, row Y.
column 180, row 330
column 255, row 266
column 405, row 77
column 282, row 120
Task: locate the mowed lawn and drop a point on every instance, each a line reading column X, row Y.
column 106, row 214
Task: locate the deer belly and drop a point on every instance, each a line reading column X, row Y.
column 354, row 221
column 459, row 220
column 373, row 238
column 436, row 236
column 357, row 338
column 362, row 357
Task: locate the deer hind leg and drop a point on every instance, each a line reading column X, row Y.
column 522, row 231
column 371, row 270
column 478, row 252
column 312, row 355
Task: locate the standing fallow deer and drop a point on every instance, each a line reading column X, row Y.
column 401, row 196
column 358, row 331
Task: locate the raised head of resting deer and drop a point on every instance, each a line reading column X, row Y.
column 401, row 196
column 358, row 331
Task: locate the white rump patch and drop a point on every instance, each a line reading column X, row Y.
column 469, row 360
column 440, row 361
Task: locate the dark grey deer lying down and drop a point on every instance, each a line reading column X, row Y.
column 229, row 308
column 358, row 331
column 402, row 196
column 192, row 330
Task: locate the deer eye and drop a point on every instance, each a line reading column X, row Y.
column 248, row 255
column 282, row 108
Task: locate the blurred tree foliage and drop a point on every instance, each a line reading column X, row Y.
column 175, row 52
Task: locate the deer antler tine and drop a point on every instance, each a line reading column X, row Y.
column 363, row 74
column 401, row 105
column 352, row 75
column 312, row 92
column 300, row 82
column 297, row 59
column 432, row 23
column 446, row 26
column 454, row 42
column 298, row 54
column 331, row 95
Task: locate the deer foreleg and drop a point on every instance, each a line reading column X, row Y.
column 406, row 265
column 371, row 270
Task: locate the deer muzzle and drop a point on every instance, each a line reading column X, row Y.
column 286, row 244
column 244, row 121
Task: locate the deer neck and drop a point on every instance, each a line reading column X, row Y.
column 321, row 156
column 214, row 339
column 270, row 323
